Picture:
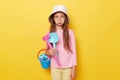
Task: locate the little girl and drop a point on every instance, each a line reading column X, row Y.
column 66, row 47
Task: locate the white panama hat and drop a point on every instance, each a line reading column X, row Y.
column 58, row 8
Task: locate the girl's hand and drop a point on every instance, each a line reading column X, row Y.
column 73, row 72
column 52, row 51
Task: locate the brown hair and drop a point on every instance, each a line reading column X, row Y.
column 66, row 37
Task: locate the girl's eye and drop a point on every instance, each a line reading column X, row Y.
column 63, row 16
column 56, row 16
column 59, row 16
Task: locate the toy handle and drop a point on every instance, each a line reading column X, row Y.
column 40, row 52
column 49, row 45
column 55, row 56
column 54, row 45
column 57, row 60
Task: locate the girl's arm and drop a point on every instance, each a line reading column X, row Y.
column 73, row 72
column 74, row 58
column 73, row 48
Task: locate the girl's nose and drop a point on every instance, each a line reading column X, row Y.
column 59, row 18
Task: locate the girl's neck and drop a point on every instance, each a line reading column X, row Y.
column 58, row 27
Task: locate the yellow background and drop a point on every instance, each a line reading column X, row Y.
column 96, row 24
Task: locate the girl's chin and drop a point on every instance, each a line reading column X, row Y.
column 59, row 25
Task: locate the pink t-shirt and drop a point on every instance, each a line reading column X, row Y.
column 66, row 59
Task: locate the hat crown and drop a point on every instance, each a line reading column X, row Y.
column 59, row 8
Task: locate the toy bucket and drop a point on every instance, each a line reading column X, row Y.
column 44, row 59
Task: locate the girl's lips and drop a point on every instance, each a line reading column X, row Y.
column 59, row 22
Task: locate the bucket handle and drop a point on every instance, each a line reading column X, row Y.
column 40, row 51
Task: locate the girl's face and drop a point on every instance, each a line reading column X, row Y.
column 59, row 18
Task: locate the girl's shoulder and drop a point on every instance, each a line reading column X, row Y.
column 70, row 31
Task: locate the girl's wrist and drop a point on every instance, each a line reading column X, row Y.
column 47, row 52
column 73, row 68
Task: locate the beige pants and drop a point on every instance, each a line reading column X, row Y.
column 61, row 73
